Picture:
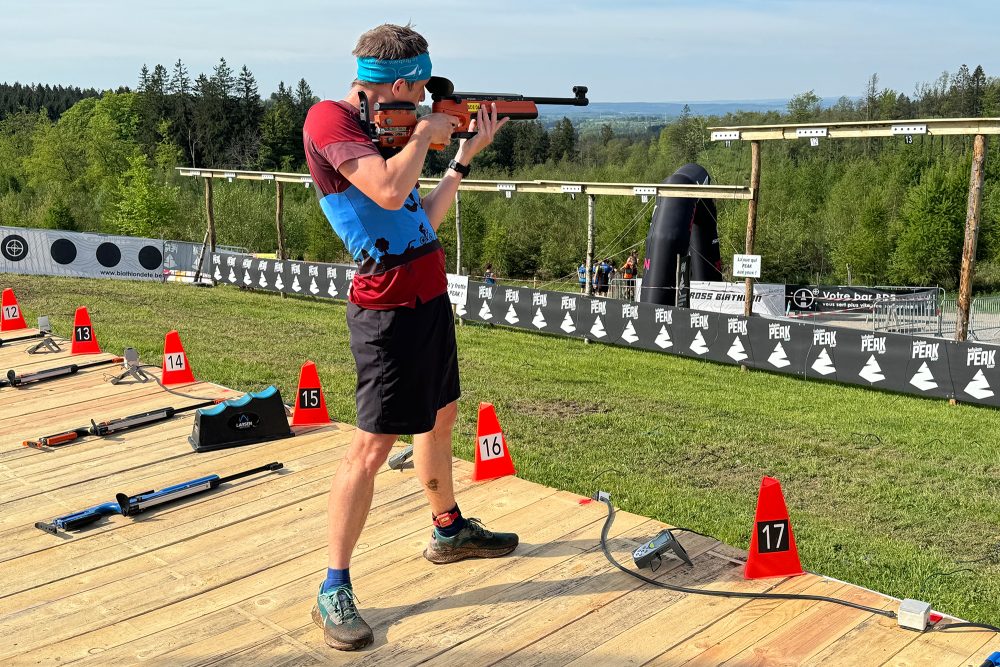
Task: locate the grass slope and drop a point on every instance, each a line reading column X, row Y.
column 894, row 493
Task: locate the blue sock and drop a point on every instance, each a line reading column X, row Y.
column 335, row 578
column 452, row 521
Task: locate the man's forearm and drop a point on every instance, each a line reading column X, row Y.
column 438, row 201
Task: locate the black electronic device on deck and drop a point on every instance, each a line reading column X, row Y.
column 651, row 553
column 245, row 420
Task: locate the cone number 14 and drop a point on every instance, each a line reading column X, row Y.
column 490, row 446
column 175, row 361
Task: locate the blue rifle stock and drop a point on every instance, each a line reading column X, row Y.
column 131, row 505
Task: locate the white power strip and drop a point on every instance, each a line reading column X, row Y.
column 914, row 615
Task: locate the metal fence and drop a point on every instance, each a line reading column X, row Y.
column 917, row 315
column 984, row 319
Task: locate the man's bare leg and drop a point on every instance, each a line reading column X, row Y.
column 432, row 460
column 352, row 491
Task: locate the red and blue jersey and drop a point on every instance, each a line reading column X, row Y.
column 400, row 259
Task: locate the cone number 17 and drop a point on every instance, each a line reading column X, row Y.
column 772, row 536
column 10, row 312
column 490, row 446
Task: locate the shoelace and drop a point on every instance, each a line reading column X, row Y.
column 478, row 528
column 344, row 606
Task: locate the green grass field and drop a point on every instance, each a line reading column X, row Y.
column 894, row 493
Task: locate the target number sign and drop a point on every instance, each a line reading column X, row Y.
column 772, row 536
column 309, row 398
column 490, row 446
column 176, row 361
column 11, row 312
column 83, row 334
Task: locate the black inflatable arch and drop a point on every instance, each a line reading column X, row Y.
column 680, row 227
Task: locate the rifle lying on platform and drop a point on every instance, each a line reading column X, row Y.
column 101, row 429
column 44, row 329
column 131, row 505
column 15, row 380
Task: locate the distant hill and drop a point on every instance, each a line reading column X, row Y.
column 666, row 110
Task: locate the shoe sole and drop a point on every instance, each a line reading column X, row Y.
column 444, row 558
column 332, row 642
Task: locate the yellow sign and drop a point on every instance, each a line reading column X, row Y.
column 473, row 107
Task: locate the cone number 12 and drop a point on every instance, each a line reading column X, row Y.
column 10, row 312
column 772, row 536
column 490, row 447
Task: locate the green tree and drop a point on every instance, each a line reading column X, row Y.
column 929, row 248
column 145, row 207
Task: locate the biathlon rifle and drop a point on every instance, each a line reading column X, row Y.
column 44, row 330
column 15, row 380
column 101, row 429
column 131, row 505
column 390, row 124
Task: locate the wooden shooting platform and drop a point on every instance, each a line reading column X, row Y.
column 228, row 577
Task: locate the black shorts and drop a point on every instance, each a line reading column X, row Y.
column 407, row 362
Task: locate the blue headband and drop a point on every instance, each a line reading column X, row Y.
column 374, row 70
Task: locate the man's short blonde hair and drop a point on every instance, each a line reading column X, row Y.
column 390, row 42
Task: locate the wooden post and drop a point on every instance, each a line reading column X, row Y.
column 279, row 219
column 752, row 217
column 972, row 217
column 458, row 232
column 591, row 205
column 210, row 214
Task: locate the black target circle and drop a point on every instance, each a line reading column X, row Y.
column 108, row 254
column 63, row 251
column 150, row 257
column 14, row 248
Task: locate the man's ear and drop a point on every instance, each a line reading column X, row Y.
column 397, row 87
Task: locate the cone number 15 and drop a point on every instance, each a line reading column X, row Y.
column 490, row 446
column 772, row 536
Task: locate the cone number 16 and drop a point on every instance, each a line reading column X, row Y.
column 772, row 536
column 490, row 447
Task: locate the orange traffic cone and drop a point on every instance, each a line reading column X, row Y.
column 310, row 405
column 492, row 456
column 772, row 545
column 84, row 339
column 176, row 369
column 11, row 317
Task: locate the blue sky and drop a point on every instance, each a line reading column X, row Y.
column 624, row 50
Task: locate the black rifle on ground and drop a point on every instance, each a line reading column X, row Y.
column 15, row 380
column 131, row 505
column 101, row 429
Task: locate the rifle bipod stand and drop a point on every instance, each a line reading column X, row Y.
column 132, row 368
column 47, row 343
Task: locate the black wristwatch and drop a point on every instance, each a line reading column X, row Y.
column 463, row 169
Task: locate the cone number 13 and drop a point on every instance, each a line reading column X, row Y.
column 490, row 446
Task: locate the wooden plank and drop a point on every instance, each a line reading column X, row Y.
column 696, row 648
column 153, row 475
column 426, row 620
column 561, row 630
column 870, row 643
column 310, row 479
column 955, row 647
column 396, row 524
column 684, row 616
column 812, row 631
column 300, row 593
